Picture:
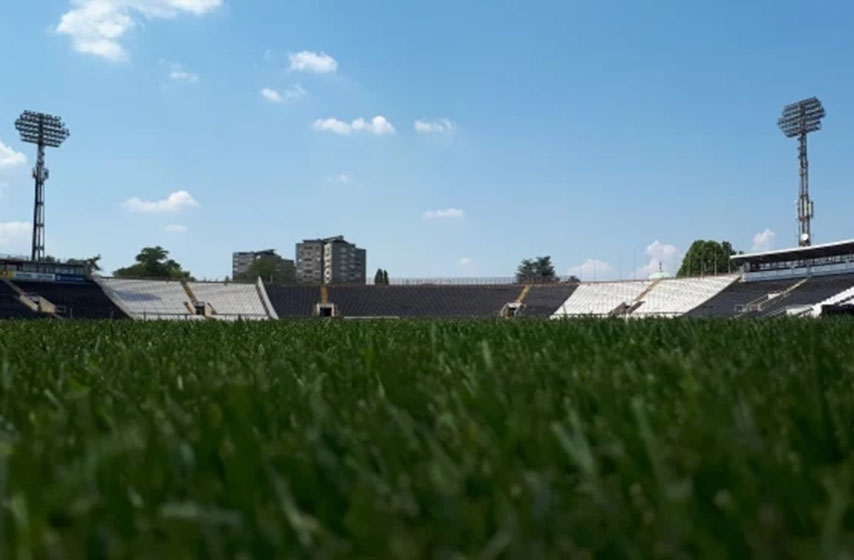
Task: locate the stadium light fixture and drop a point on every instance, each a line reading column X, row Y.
column 799, row 119
column 44, row 131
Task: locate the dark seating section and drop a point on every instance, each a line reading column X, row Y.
column 846, row 309
column 85, row 300
column 293, row 301
column 422, row 301
column 738, row 294
column 11, row 307
column 813, row 291
column 544, row 300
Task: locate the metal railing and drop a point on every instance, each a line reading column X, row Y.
column 468, row 281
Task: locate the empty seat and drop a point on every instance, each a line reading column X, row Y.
column 677, row 296
column 845, row 297
column 150, row 299
column 11, row 307
column 438, row 301
column 601, row 298
column 732, row 300
column 230, row 301
column 291, row 301
column 83, row 300
column 543, row 300
column 815, row 290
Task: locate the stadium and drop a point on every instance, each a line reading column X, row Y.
column 803, row 282
column 704, row 413
column 265, row 419
column 807, row 281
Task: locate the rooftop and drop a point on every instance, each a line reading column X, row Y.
column 824, row 250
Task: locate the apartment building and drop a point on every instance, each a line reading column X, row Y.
column 331, row 260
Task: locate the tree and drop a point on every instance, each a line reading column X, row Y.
column 706, row 258
column 378, row 277
column 91, row 264
column 271, row 269
column 545, row 269
column 385, row 277
column 525, row 271
column 153, row 262
column 537, row 270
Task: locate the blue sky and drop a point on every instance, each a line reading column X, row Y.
column 612, row 133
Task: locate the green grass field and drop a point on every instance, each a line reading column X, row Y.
column 427, row 439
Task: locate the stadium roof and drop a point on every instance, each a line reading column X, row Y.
column 835, row 249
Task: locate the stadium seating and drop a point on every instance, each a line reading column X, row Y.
column 815, row 290
column 83, row 300
column 293, row 302
column 11, row 307
column 732, row 300
column 544, row 300
column 842, row 298
column 150, row 299
column 717, row 296
column 677, row 296
column 601, row 298
column 422, row 301
column 230, row 301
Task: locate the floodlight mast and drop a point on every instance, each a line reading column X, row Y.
column 44, row 131
column 799, row 119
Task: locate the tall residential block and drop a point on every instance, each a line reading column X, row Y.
column 331, row 260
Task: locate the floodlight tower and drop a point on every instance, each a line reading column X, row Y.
column 799, row 119
column 44, row 131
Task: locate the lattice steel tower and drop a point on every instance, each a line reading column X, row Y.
column 799, row 119
column 44, row 131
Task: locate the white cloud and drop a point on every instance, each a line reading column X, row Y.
column 174, row 228
column 307, row 61
column 340, row 178
column 378, row 125
column 15, row 236
column 10, row 158
column 450, row 213
column 435, row 127
column 661, row 256
column 290, row 94
column 178, row 75
column 272, row 95
column 175, row 202
column 464, row 262
column 332, row 125
column 590, row 269
column 97, row 26
column 764, row 240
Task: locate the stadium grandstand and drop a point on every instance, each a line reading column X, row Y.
column 14, row 305
column 83, row 299
column 542, row 300
column 230, row 301
column 803, row 281
column 58, row 290
column 423, row 301
column 797, row 281
column 150, row 299
column 293, row 302
column 670, row 297
column 603, row 299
